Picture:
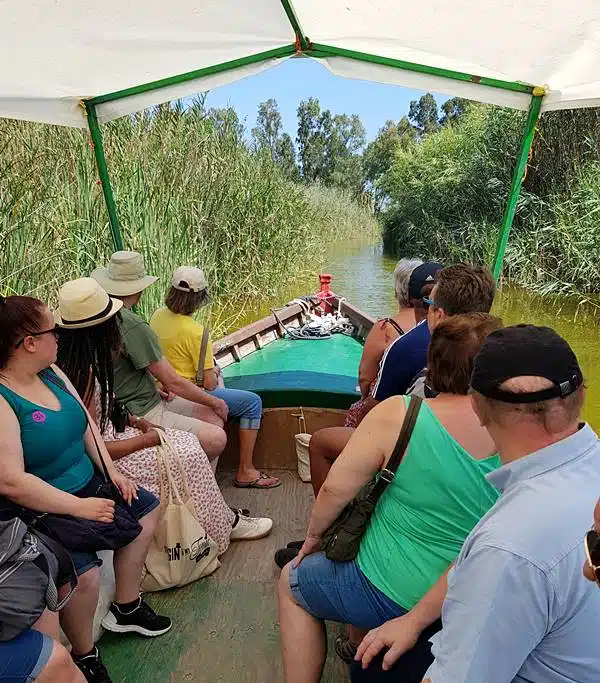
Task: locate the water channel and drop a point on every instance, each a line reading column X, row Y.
column 364, row 275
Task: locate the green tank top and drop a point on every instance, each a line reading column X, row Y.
column 420, row 523
column 52, row 440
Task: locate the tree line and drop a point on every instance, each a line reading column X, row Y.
column 331, row 148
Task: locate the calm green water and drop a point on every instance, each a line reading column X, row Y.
column 364, row 275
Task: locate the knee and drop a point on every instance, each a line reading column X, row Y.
column 254, row 405
column 213, row 442
column 88, row 583
column 60, row 666
column 283, row 584
column 318, row 444
column 149, row 523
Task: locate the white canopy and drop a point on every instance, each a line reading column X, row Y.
column 54, row 53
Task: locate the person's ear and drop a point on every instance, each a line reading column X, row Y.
column 478, row 410
column 29, row 344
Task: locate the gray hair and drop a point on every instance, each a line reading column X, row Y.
column 402, row 273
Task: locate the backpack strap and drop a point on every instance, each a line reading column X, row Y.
column 202, row 359
column 66, row 571
column 387, row 474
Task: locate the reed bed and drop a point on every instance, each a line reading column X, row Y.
column 188, row 190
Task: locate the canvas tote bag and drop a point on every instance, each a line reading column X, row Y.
column 181, row 551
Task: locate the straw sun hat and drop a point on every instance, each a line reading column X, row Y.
column 125, row 275
column 83, row 303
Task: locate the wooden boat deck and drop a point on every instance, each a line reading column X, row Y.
column 225, row 626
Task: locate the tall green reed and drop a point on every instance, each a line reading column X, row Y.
column 188, row 190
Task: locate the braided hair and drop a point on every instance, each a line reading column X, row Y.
column 87, row 356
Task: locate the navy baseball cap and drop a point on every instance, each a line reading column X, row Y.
column 422, row 275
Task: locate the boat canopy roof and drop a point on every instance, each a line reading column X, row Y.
column 54, row 54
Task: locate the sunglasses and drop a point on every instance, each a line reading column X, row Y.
column 53, row 330
column 592, row 552
column 427, row 302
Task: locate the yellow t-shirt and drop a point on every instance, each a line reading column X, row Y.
column 180, row 337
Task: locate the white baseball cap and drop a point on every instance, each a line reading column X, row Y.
column 189, row 279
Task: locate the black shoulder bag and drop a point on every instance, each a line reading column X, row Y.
column 341, row 542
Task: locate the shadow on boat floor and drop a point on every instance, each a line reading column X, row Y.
column 225, row 627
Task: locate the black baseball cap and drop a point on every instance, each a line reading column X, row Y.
column 525, row 350
column 422, row 275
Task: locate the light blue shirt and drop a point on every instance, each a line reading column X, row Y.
column 518, row 608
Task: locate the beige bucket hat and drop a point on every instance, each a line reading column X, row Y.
column 125, row 275
column 83, row 303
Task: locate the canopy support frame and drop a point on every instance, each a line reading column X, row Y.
column 109, row 199
column 517, row 179
column 303, row 42
column 318, row 50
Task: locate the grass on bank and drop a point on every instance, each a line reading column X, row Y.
column 188, row 190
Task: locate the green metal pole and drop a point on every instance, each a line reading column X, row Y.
column 111, row 207
column 517, row 179
column 294, row 21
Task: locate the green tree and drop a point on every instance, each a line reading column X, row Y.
column 310, row 139
column 268, row 126
column 380, row 153
column 285, row 157
column 453, row 109
column 423, row 114
column 329, row 145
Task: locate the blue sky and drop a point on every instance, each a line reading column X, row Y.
column 299, row 79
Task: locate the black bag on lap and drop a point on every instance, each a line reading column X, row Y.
column 341, row 542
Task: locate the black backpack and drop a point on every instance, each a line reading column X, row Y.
column 32, row 568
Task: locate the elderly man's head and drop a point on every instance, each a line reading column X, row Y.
column 527, row 383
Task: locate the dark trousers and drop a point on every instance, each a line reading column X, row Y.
column 410, row 668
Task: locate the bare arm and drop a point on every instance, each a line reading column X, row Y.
column 401, row 634
column 163, row 371
column 374, row 347
column 28, row 490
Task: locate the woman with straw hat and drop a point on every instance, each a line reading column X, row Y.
column 141, row 363
column 85, row 354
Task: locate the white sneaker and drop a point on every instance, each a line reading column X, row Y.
column 250, row 528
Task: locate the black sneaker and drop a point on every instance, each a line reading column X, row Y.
column 141, row 619
column 344, row 649
column 92, row 668
column 285, row 555
column 297, row 545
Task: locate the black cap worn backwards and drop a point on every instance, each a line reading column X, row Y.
column 422, row 275
column 525, row 350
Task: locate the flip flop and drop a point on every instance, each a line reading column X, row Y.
column 275, row 482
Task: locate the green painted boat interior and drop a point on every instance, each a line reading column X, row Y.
column 306, row 372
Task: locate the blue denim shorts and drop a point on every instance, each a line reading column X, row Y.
column 23, row 658
column 145, row 503
column 339, row 591
column 245, row 406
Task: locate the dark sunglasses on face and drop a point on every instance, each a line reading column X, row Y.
column 592, row 552
column 53, row 330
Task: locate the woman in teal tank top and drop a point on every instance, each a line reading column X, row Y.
column 48, row 463
column 438, row 495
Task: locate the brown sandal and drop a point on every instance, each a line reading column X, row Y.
column 256, row 483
